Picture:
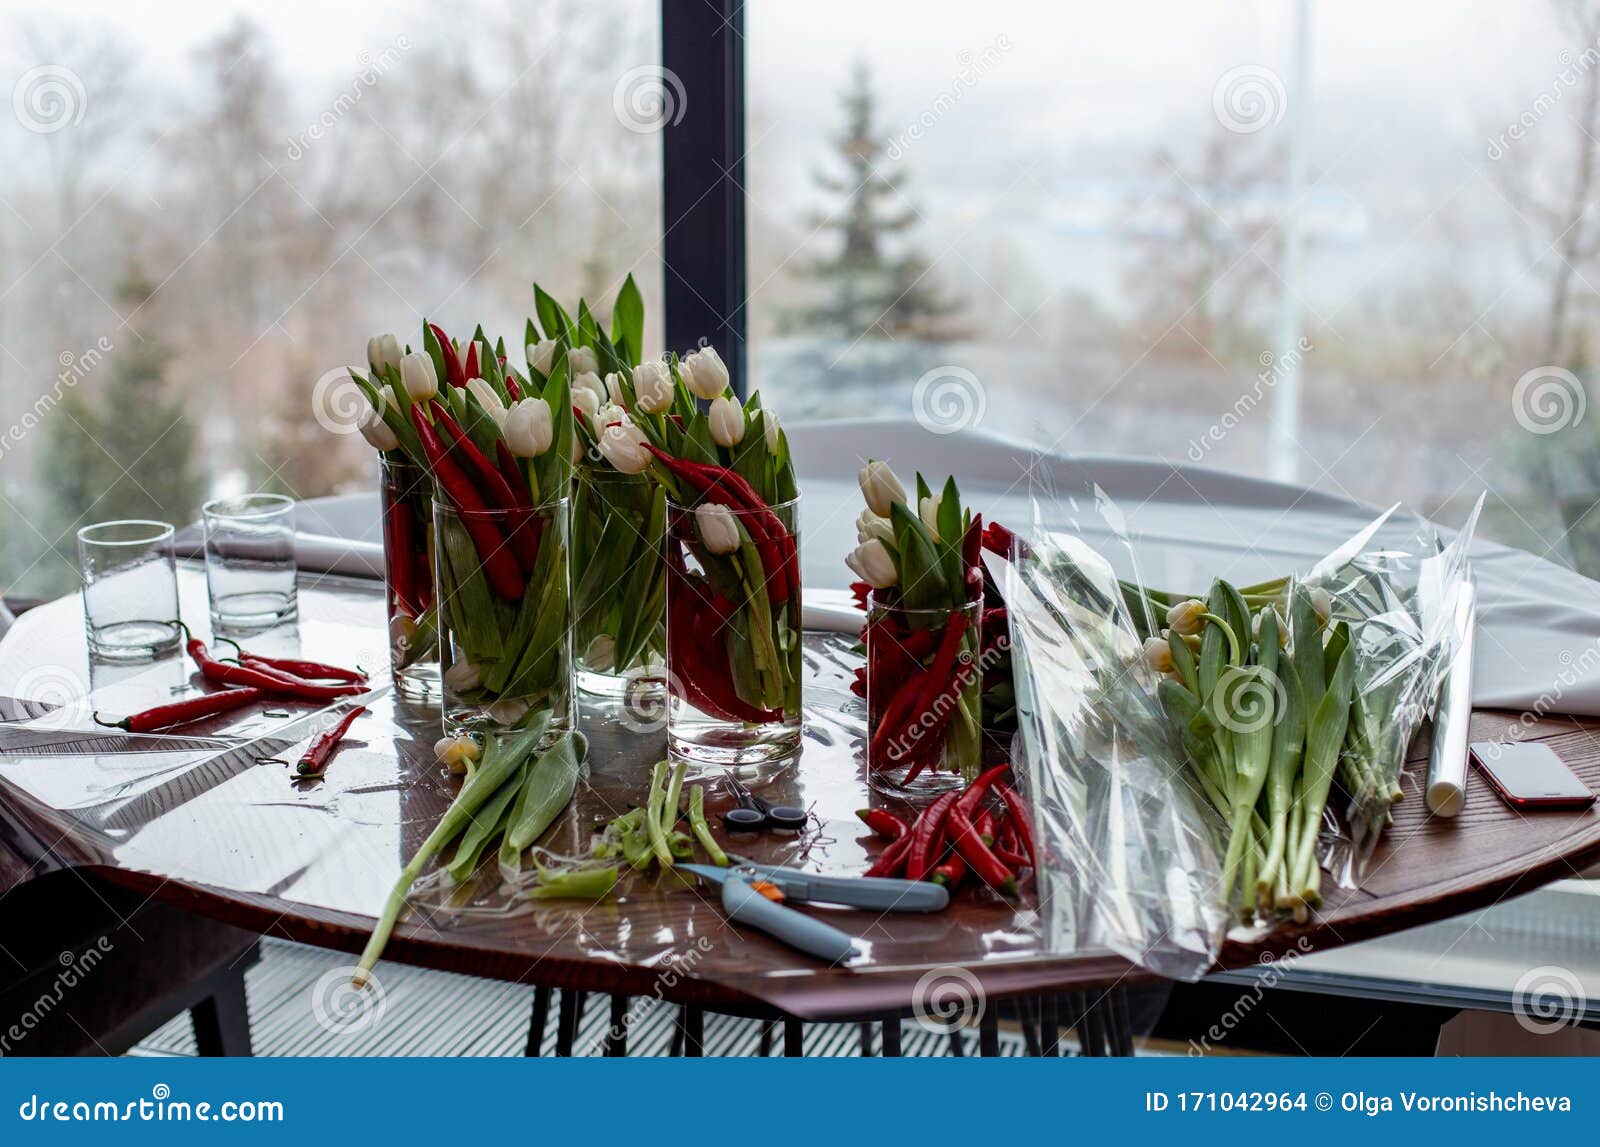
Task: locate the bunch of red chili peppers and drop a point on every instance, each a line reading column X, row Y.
column 958, row 834
column 251, row 677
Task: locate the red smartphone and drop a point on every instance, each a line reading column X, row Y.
column 1530, row 776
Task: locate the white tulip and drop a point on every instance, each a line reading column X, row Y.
column 542, row 355
column 529, row 429
column 489, row 400
column 589, row 380
column 463, row 676
column 869, row 526
column 1185, row 617
column 928, row 511
column 770, row 429
column 1158, row 655
column 386, row 394
column 874, row 564
column 727, row 422
column 376, row 431
column 717, row 527
column 383, row 352
column 582, row 360
column 623, row 446
column 704, row 373
column 586, row 401
column 417, row 373
column 614, row 388
column 611, row 415
column 880, row 487
column 652, row 387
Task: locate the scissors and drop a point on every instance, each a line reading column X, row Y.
column 753, row 894
column 752, row 814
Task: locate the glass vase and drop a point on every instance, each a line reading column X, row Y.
column 924, row 693
column 505, row 617
column 734, row 635
column 618, row 582
column 405, row 493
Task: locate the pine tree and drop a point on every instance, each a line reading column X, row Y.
column 866, row 290
column 124, row 449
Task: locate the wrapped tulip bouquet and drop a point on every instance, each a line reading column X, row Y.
column 497, row 445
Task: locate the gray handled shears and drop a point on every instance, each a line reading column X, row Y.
column 753, row 894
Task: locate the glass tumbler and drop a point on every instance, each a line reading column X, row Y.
column 250, row 564
column 733, row 635
column 130, row 589
column 618, row 583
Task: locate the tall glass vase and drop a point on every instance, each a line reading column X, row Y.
column 505, row 616
column 734, row 635
column 405, row 492
column 618, row 582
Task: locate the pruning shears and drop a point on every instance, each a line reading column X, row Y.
column 754, row 894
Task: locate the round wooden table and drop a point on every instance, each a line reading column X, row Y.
column 206, row 821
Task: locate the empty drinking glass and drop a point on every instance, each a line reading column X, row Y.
column 130, row 589
column 250, row 566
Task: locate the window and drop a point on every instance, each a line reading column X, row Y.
column 1266, row 237
column 205, row 208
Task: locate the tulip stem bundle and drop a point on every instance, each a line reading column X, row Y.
column 925, row 627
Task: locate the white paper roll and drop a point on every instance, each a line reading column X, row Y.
column 1447, row 759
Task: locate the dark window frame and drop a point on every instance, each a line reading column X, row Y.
column 702, row 191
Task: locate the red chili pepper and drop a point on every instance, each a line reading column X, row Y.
column 500, row 567
column 1022, row 819
column 974, row 795
column 951, row 872
column 513, row 387
column 915, row 697
column 927, row 837
column 454, row 373
column 399, row 544
column 498, row 492
column 312, row 670
column 985, row 826
column 772, row 540
column 527, row 527
column 315, row 761
column 999, row 540
column 183, row 712
column 892, row 860
column 984, row 863
column 471, row 369
column 883, row 822
column 272, row 680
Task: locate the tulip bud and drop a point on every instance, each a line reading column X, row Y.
column 584, row 399
column 383, row 352
column 417, row 373
column 489, row 400
column 770, row 429
column 874, row 564
column 462, row 676
column 869, row 526
column 611, row 415
column 1159, row 655
column 1185, row 617
column 880, row 487
column 614, row 388
column 589, row 380
column 541, row 356
column 529, row 429
column 1322, row 603
column 704, row 373
column 928, row 511
column 717, row 527
column 652, row 387
column 582, row 360
column 376, row 431
column 386, row 396
column 623, row 446
column 455, row 752
column 727, row 422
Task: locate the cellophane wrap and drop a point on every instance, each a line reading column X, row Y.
column 1130, row 857
column 1399, row 598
